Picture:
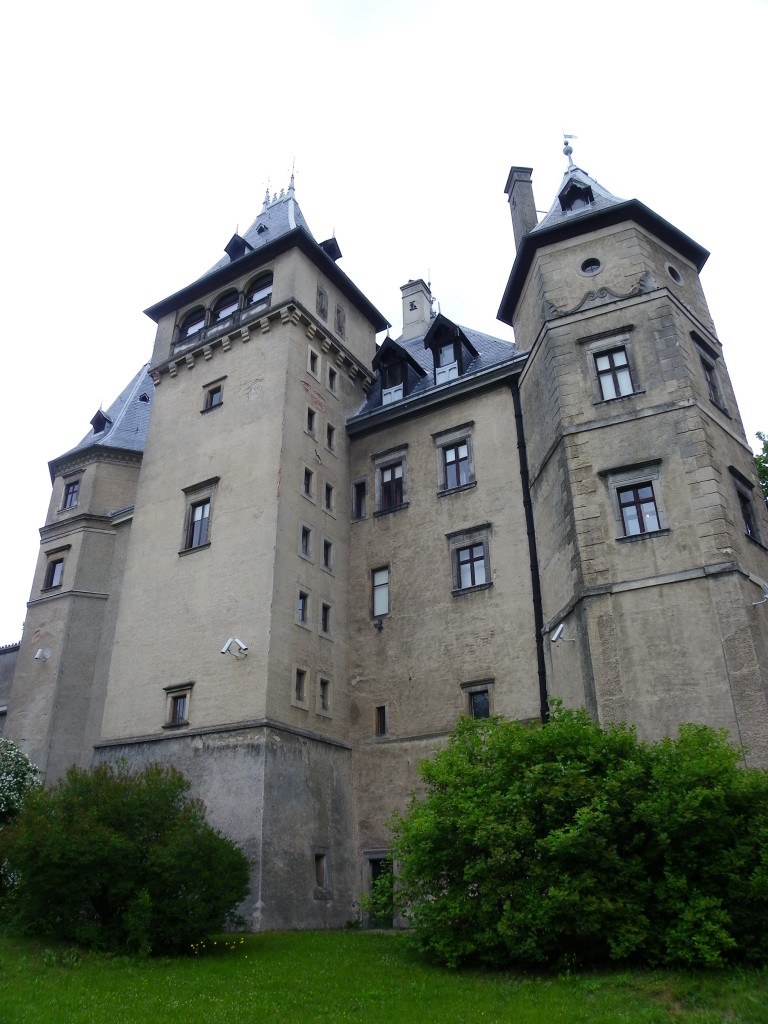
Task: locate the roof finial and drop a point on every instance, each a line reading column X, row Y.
column 568, row 148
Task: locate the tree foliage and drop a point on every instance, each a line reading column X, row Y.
column 576, row 844
column 122, row 861
column 761, row 461
column 17, row 776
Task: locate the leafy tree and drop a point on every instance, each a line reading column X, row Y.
column 17, row 776
column 761, row 461
column 572, row 844
column 122, row 861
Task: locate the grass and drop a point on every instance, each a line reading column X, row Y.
column 307, row 977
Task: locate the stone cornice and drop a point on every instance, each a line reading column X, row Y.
column 208, row 730
column 289, row 312
column 79, row 460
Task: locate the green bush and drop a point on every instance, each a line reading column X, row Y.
column 122, row 861
column 17, row 776
column 573, row 844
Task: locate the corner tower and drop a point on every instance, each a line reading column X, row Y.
column 651, row 534
column 238, row 534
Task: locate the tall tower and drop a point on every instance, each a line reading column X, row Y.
column 651, row 532
column 229, row 657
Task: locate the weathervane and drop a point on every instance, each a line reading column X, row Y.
column 568, row 148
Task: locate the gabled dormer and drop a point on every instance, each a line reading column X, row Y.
column 452, row 351
column 398, row 370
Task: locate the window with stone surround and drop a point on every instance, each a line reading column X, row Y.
column 177, row 702
column 71, row 494
column 744, row 495
column 470, row 559
column 455, row 458
column 636, row 500
column 612, row 368
column 197, row 518
column 391, row 479
column 479, row 697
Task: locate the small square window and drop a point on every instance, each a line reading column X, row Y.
column 329, row 496
column 380, row 592
column 330, row 437
column 380, row 720
column 309, row 483
column 71, row 494
column 311, row 417
column 359, row 489
column 333, row 379
column 325, row 618
column 328, row 555
column 637, row 505
column 214, row 397
column 613, row 374
column 54, row 573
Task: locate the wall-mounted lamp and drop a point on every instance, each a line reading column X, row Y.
column 242, row 649
column 558, row 636
column 43, row 654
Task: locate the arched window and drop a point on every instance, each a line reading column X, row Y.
column 259, row 293
column 225, row 305
column 191, row 325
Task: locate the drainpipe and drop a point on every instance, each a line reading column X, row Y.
column 538, row 616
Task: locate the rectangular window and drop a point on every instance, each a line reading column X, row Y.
column 199, row 518
column 300, row 686
column 713, row 385
column 471, row 566
column 330, row 437
column 213, row 397
column 54, row 573
column 340, row 321
column 359, row 489
column 613, row 373
column 308, row 482
column 178, row 709
column 446, row 363
column 71, row 494
column 324, row 696
column 311, row 416
column 329, row 497
column 456, row 465
column 747, row 515
column 325, row 618
column 313, row 362
column 328, row 555
column 302, row 607
column 305, row 543
column 321, row 870
column 392, row 379
column 381, row 720
column 321, row 302
column 479, row 704
column 380, row 588
column 333, row 379
column 637, row 506
column 177, row 705
column 391, row 486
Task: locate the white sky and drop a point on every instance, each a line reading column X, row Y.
column 138, row 137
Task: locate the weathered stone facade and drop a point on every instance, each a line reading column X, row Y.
column 445, row 524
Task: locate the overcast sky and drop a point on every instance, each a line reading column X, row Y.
column 139, row 137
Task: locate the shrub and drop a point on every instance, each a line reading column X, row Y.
column 122, row 861
column 574, row 843
column 17, row 776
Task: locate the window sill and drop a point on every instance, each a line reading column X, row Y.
column 619, row 398
column 197, row 547
column 175, row 725
column 304, row 625
column 457, row 490
column 756, row 542
column 643, row 536
column 211, row 408
column 721, row 408
column 322, row 894
column 387, row 511
column 325, row 636
column 50, row 590
column 471, row 590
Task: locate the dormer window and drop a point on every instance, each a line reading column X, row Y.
column 392, row 383
column 224, row 306
column 446, row 363
column 576, row 197
column 259, row 293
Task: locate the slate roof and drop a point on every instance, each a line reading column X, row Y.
column 490, row 352
column 278, row 216
column 602, row 200
column 125, row 422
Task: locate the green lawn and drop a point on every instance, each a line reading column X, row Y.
column 303, row 977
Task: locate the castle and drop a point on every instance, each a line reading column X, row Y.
column 286, row 560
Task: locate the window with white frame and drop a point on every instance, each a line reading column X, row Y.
column 613, row 376
column 380, row 591
column 54, row 572
column 470, row 559
column 455, row 458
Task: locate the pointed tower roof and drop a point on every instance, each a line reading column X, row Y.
column 122, row 427
column 582, row 204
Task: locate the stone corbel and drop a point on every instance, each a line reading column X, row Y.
column 245, row 334
column 207, row 353
column 226, row 344
column 189, row 359
column 173, row 369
